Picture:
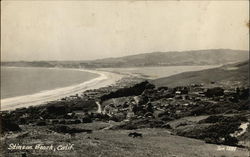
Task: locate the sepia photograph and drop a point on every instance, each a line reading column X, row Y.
column 125, row 78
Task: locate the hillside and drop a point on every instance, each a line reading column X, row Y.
column 228, row 75
column 197, row 57
column 134, row 120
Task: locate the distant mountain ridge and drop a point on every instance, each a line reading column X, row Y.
column 172, row 58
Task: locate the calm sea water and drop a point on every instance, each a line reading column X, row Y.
column 25, row 81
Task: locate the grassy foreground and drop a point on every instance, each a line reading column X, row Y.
column 155, row 142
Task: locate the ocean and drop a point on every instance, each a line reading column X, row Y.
column 25, row 81
column 23, row 87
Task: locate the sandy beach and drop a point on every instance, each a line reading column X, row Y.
column 105, row 79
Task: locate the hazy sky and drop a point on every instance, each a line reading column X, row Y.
column 78, row 30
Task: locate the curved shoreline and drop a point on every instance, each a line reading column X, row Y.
column 105, row 78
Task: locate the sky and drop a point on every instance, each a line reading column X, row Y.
column 86, row 30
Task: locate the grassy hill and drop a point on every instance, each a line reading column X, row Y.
column 109, row 143
column 228, row 75
column 197, row 57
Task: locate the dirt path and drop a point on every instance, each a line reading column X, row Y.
column 99, row 107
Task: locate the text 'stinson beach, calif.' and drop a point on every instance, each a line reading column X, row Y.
column 125, row 78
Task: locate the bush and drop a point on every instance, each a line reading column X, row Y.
column 8, row 125
column 217, row 91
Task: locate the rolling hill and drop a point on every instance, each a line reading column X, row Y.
column 197, row 57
